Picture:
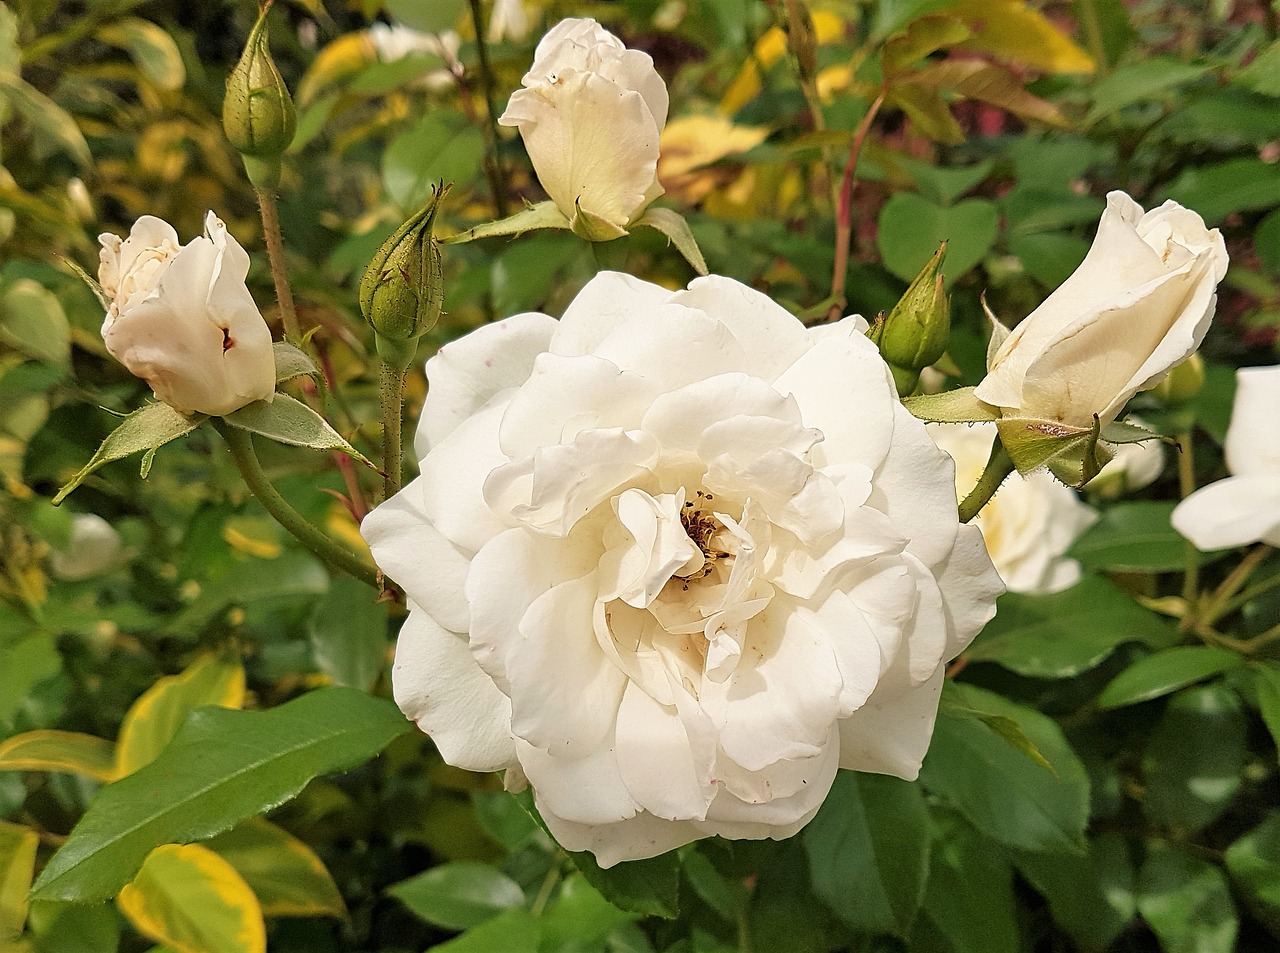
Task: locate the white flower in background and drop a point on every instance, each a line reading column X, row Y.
column 1245, row 507
column 674, row 559
column 508, row 20
column 93, row 548
column 591, row 115
column 1138, row 304
column 394, row 41
column 182, row 318
column 1029, row 524
column 1132, row 467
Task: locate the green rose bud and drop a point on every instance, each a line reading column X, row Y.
column 402, row 292
column 1182, row 383
column 914, row 335
column 257, row 113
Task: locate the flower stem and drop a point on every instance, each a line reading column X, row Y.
column 240, row 443
column 999, row 465
column 493, row 167
column 844, row 214
column 279, row 274
column 1187, row 486
column 1221, row 602
column 391, row 387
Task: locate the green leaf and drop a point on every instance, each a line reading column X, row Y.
column 74, row 928
column 440, row 147
column 1186, row 902
column 1262, row 75
column 649, row 887
column 427, row 17
column 1253, row 861
column 950, row 407
column 1090, row 895
column 1132, row 537
column 460, row 895
column 348, row 631
column 1266, row 680
column 969, row 901
column 942, row 184
column 1066, row 633
column 580, row 917
column 868, row 852
column 148, row 428
column 1148, row 79
column 912, row 228
column 221, row 767
column 1167, row 671
column 52, row 127
column 24, row 664
column 673, row 225
column 543, row 215
column 294, row 574
column 1234, row 185
column 726, row 896
column 285, row 875
column 1193, row 760
column 17, row 866
column 1048, row 257
column 290, row 421
column 512, row 931
column 48, row 749
column 292, row 362
column 32, row 320
column 150, row 47
column 999, row 789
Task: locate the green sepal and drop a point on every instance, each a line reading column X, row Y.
column 147, row 428
column 1074, row 455
column 290, row 421
column 589, row 225
column 292, row 362
column 542, row 215
column 672, row 224
column 958, row 406
column 1124, row 432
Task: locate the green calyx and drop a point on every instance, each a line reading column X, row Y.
column 914, row 335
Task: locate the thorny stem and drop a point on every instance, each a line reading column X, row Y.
column 240, row 443
column 799, row 23
column 1187, row 486
column 279, row 273
column 391, row 387
column 844, row 214
column 999, row 465
column 493, row 168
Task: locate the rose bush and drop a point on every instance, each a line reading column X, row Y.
column 1029, row 524
column 1139, row 304
column 1245, row 507
column 591, row 115
column 674, row 559
column 181, row 317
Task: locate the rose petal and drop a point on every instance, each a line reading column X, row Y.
column 604, row 304
column 580, row 790
column 656, row 759
column 1253, row 438
column 453, row 475
column 1232, row 512
column 891, row 737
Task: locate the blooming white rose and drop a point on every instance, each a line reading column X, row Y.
column 673, row 559
column 182, row 319
column 1029, row 524
column 1245, row 507
column 92, row 549
column 1138, row 304
column 591, row 114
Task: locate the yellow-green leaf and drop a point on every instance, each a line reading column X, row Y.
column 1012, row 31
column 285, row 874
column 150, row 47
column 922, row 37
column 52, row 750
column 156, row 716
column 189, row 898
column 17, row 865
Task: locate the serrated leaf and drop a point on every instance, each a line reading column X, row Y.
column 950, row 407
column 221, row 767
column 150, row 47
column 988, row 83
column 969, row 901
column 649, row 887
column 911, row 228
column 672, row 224
column 542, row 215
column 1166, row 672
column 153, row 720
column 924, row 35
column 458, row 896
column 292, row 362
column 147, row 428
column 290, row 421
column 190, row 899
column 1149, row 78
column 48, row 749
column 1134, row 536
column 17, row 866
column 348, row 634
column 285, row 874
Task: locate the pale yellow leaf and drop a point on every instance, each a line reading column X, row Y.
column 69, row 751
column 17, row 864
column 769, row 49
column 1012, row 31
column 285, row 874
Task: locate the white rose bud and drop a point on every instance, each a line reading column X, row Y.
column 92, row 549
column 674, row 559
column 1245, row 507
column 1029, row 524
column 591, row 115
column 1139, row 303
column 182, row 318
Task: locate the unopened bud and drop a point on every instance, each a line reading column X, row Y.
column 402, row 292
column 257, row 113
column 1182, row 383
column 915, row 333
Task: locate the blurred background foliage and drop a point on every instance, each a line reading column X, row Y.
column 1154, row 825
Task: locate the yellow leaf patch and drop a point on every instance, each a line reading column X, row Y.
column 285, row 874
column 69, row 751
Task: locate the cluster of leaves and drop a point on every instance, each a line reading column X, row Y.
column 1104, row 771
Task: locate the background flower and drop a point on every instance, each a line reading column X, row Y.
column 1029, row 524
column 658, row 566
column 1245, row 507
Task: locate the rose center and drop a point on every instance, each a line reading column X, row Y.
column 702, row 526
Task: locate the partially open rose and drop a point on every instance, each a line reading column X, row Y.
column 674, row 559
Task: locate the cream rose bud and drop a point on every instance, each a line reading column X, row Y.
column 673, row 559
column 1245, row 507
column 591, row 114
column 1029, row 524
column 182, row 319
column 1138, row 304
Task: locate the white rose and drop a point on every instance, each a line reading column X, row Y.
column 673, row 559
column 182, row 319
column 1029, row 524
column 93, row 548
column 508, row 20
column 591, row 114
column 1132, row 466
column 1245, row 507
column 1138, row 304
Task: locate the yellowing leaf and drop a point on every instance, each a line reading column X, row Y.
column 1012, row 31
column 770, row 48
column 285, row 874
column 189, row 898
column 922, row 37
column 691, row 143
column 17, row 864
column 336, row 63
column 156, row 716
column 51, row 750
column 151, row 48
column 989, row 83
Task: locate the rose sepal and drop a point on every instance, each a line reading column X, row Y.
column 915, row 333
column 1074, row 455
column 289, row 421
column 530, row 218
column 672, row 224
column 958, row 406
column 292, row 362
